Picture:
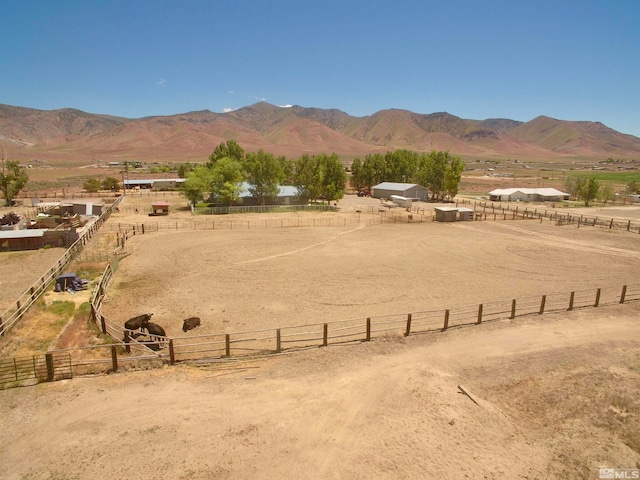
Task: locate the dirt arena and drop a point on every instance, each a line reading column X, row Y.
column 243, row 280
column 557, row 395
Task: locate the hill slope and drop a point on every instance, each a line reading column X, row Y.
column 73, row 136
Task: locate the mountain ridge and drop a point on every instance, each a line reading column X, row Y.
column 72, row 135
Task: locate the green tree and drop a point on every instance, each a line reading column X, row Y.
column 400, row 165
column 356, row 179
column 453, row 176
column 227, row 178
column 333, row 177
column 370, row 172
column 633, row 188
column 198, row 182
column 571, row 185
column 588, row 189
column 264, row 173
column 320, row 176
column 288, row 168
column 307, row 177
column 184, row 169
column 111, row 183
column 607, row 193
column 13, row 178
column 92, row 185
column 231, row 149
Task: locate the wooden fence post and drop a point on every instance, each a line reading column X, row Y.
column 513, row 309
column 172, row 353
column 227, row 345
column 408, row 330
column 114, row 358
column 446, row 320
column 103, row 325
column 623, row 294
column 542, row 302
column 278, row 341
column 571, row 299
column 479, row 321
column 126, row 339
column 368, row 337
column 50, row 368
column 325, row 334
column 597, row 303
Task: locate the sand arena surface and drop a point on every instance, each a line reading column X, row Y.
column 557, row 393
column 241, row 280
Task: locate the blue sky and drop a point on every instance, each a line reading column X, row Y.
column 568, row 59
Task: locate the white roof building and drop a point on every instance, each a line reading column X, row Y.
column 528, row 195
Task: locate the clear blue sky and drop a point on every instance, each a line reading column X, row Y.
column 477, row 59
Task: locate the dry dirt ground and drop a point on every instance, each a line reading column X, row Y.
column 557, row 395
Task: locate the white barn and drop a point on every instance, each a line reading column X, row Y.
column 407, row 190
column 527, row 195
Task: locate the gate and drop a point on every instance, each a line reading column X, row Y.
column 38, row 368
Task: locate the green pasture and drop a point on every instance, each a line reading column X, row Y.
column 606, row 176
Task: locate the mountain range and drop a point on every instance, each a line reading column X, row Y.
column 69, row 136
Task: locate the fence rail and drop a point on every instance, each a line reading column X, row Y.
column 217, row 347
column 493, row 211
column 15, row 312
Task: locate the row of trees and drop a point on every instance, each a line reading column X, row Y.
column 590, row 188
column 93, row 185
column 440, row 172
column 315, row 176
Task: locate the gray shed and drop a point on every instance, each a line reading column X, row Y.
column 446, row 214
column 408, row 190
column 465, row 214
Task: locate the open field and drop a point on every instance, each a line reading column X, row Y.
column 557, row 394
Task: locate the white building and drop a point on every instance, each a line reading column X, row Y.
column 527, row 195
column 407, row 190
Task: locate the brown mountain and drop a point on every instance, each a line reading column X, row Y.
column 69, row 136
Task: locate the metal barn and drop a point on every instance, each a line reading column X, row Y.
column 408, row 190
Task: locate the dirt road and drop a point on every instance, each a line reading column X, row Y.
column 390, row 408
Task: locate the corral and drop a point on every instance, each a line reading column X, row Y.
column 389, row 408
column 269, row 277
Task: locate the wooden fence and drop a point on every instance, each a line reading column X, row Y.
column 253, row 224
column 492, row 211
column 255, row 343
column 14, row 313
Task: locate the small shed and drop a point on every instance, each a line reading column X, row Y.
column 31, row 239
column 408, row 190
column 159, row 208
column 446, row 214
column 465, row 214
column 454, row 214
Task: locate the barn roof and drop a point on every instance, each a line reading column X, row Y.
column 284, row 191
column 30, row 233
column 396, row 186
column 543, row 192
